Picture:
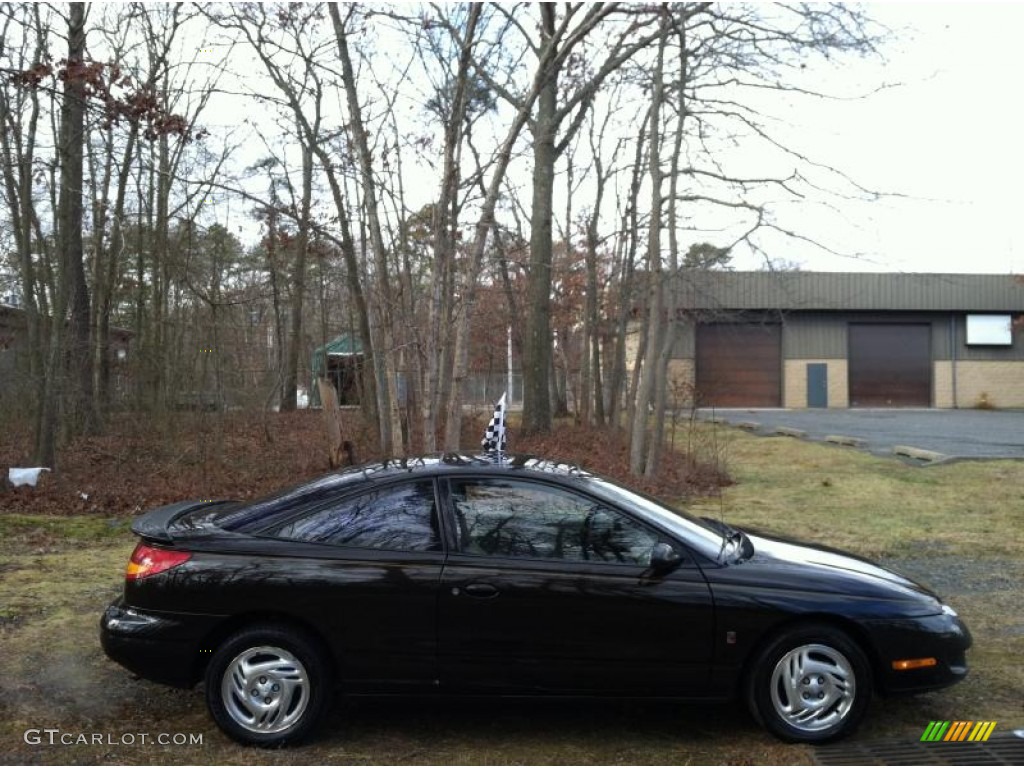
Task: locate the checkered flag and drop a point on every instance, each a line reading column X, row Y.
column 494, row 435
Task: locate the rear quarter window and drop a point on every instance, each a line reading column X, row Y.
column 258, row 515
column 400, row 517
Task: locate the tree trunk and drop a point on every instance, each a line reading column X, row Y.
column 368, row 400
column 669, row 335
column 626, row 291
column 560, row 381
column 73, row 295
column 100, row 209
column 445, row 225
column 159, row 359
column 291, row 375
column 17, row 143
column 645, row 389
column 537, row 342
column 275, row 293
column 460, row 355
column 392, row 442
column 141, row 318
column 591, row 389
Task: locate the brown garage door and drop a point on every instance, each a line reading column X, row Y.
column 739, row 365
column 890, row 365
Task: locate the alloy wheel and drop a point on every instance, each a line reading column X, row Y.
column 265, row 689
column 813, row 687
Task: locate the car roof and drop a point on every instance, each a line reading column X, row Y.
column 456, row 463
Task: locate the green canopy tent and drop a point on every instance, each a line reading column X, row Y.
column 341, row 361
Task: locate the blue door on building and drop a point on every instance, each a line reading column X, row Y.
column 817, row 385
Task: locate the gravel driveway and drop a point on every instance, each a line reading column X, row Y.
column 961, row 434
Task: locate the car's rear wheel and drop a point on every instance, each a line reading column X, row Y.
column 268, row 685
column 811, row 683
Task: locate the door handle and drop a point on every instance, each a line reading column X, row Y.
column 481, row 590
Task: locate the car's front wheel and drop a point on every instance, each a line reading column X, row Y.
column 811, row 683
column 267, row 685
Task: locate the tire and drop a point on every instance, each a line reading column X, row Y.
column 810, row 684
column 268, row 685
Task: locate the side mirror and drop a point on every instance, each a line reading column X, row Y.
column 664, row 558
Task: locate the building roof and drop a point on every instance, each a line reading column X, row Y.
column 341, row 346
column 17, row 317
column 711, row 290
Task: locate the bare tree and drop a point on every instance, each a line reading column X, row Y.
column 253, row 23
column 655, row 282
column 87, row 99
column 591, row 366
column 19, row 115
column 627, row 249
column 444, row 226
column 668, row 332
column 73, row 295
column 722, row 52
column 667, row 89
column 108, row 218
column 560, row 41
column 391, row 417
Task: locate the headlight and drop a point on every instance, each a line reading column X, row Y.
column 948, row 610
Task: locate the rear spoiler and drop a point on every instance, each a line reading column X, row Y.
column 154, row 524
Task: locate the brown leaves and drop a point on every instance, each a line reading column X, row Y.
column 137, row 465
column 606, row 452
column 106, row 87
column 132, row 468
column 87, row 73
column 33, row 76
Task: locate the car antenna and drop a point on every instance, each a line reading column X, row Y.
column 717, row 456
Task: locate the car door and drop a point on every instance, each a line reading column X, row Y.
column 364, row 569
column 550, row 590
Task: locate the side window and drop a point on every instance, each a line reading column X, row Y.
column 399, row 517
column 515, row 518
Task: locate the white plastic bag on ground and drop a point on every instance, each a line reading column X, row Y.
column 25, row 476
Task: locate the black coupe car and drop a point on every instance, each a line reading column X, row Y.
column 465, row 575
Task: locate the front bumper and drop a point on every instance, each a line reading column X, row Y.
column 164, row 648
column 943, row 637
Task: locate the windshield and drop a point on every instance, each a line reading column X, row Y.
column 706, row 538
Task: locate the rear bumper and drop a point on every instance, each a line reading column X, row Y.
column 942, row 637
column 164, row 648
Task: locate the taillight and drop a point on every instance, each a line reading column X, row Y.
column 149, row 561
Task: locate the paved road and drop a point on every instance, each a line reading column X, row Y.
column 963, row 434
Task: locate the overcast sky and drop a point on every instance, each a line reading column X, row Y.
column 949, row 137
column 945, row 139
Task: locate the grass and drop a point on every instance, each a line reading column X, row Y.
column 956, row 525
column 874, row 506
column 51, row 532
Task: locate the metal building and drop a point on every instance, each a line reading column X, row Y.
column 840, row 340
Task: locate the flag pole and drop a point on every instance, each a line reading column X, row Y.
column 494, row 434
column 501, row 427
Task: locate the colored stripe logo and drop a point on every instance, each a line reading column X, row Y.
column 958, row 730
